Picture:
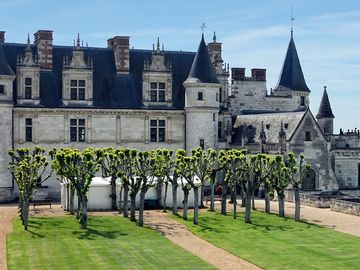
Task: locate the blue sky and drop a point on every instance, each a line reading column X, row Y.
column 254, row 34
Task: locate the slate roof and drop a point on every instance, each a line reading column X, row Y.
column 110, row 91
column 251, row 124
column 4, row 65
column 291, row 75
column 325, row 110
column 202, row 68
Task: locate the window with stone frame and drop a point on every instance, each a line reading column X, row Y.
column 302, row 101
column 28, row 129
column 307, row 136
column 77, row 89
column 219, row 130
column 157, row 91
column 77, row 130
column 200, row 96
column 157, row 130
column 2, row 89
column 28, row 88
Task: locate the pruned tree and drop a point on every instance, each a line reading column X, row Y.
column 27, row 166
column 108, row 160
column 81, row 166
column 280, row 181
column 134, row 181
column 204, row 168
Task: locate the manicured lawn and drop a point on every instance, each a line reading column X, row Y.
column 279, row 243
column 109, row 243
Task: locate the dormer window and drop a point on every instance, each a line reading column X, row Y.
column 157, row 91
column 28, row 88
column 2, row 89
column 77, row 89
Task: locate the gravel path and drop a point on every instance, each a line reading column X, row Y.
column 178, row 233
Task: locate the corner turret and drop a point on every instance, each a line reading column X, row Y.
column 325, row 116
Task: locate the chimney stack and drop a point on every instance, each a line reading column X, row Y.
column 2, row 36
column 120, row 46
column 238, row 74
column 258, row 74
column 43, row 40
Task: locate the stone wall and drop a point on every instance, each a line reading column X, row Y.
column 309, row 199
column 346, row 167
column 348, row 206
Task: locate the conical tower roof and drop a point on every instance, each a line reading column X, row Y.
column 291, row 75
column 202, row 68
column 5, row 69
column 325, row 110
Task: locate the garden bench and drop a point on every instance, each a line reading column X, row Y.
column 41, row 202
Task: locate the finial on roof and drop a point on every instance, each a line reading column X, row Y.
column 214, row 37
column 202, row 26
column 153, row 47
column 325, row 87
column 158, row 44
column 28, row 39
column 292, row 22
column 162, row 47
column 78, row 40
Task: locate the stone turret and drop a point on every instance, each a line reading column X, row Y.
column 201, row 104
column 325, row 116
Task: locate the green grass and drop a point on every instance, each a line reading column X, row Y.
column 108, row 243
column 279, row 243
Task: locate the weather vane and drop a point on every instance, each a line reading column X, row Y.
column 292, row 21
column 202, row 27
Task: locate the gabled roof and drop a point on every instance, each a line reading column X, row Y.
column 291, row 76
column 202, row 68
column 251, row 125
column 110, row 90
column 5, row 69
column 325, row 110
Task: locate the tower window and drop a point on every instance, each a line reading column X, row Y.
column 28, row 129
column 157, row 91
column 307, row 136
column 28, row 88
column 200, row 96
column 77, row 89
column 77, row 130
column 2, row 89
column 202, row 144
column 157, row 130
column 217, row 96
column 219, row 130
column 220, row 94
column 302, row 101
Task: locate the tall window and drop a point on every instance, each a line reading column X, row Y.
column 219, row 130
column 77, row 89
column 200, row 96
column 157, row 130
column 307, row 136
column 302, row 101
column 157, row 91
column 2, row 89
column 77, row 130
column 202, row 144
column 220, row 94
column 28, row 87
column 28, row 129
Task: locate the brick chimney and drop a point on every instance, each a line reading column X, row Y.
column 258, row 74
column 238, row 74
column 43, row 40
column 120, row 46
column 2, row 36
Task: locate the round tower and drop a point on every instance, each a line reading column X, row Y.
column 201, row 102
column 325, row 117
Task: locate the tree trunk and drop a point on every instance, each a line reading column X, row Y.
column 72, row 195
column 196, row 205
column 120, row 199
column 234, row 204
column 113, row 193
column 141, row 207
column 132, row 206
column 174, row 195
column 185, row 203
column 212, row 197
column 247, row 207
column 253, row 201
column 83, row 220
column 281, row 205
column 202, row 190
column 242, row 198
column 78, row 210
column 223, row 199
column 25, row 213
column 165, row 196
column 297, row 204
column 126, row 198
column 267, row 201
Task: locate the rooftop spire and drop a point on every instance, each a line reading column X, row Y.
column 291, row 76
column 28, row 40
column 292, row 22
column 28, row 48
column 214, row 37
column 78, row 40
column 158, row 44
column 202, row 68
column 325, row 110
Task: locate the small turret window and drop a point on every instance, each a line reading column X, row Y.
column 28, row 88
column 200, row 96
column 307, row 136
column 302, row 101
column 2, row 89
